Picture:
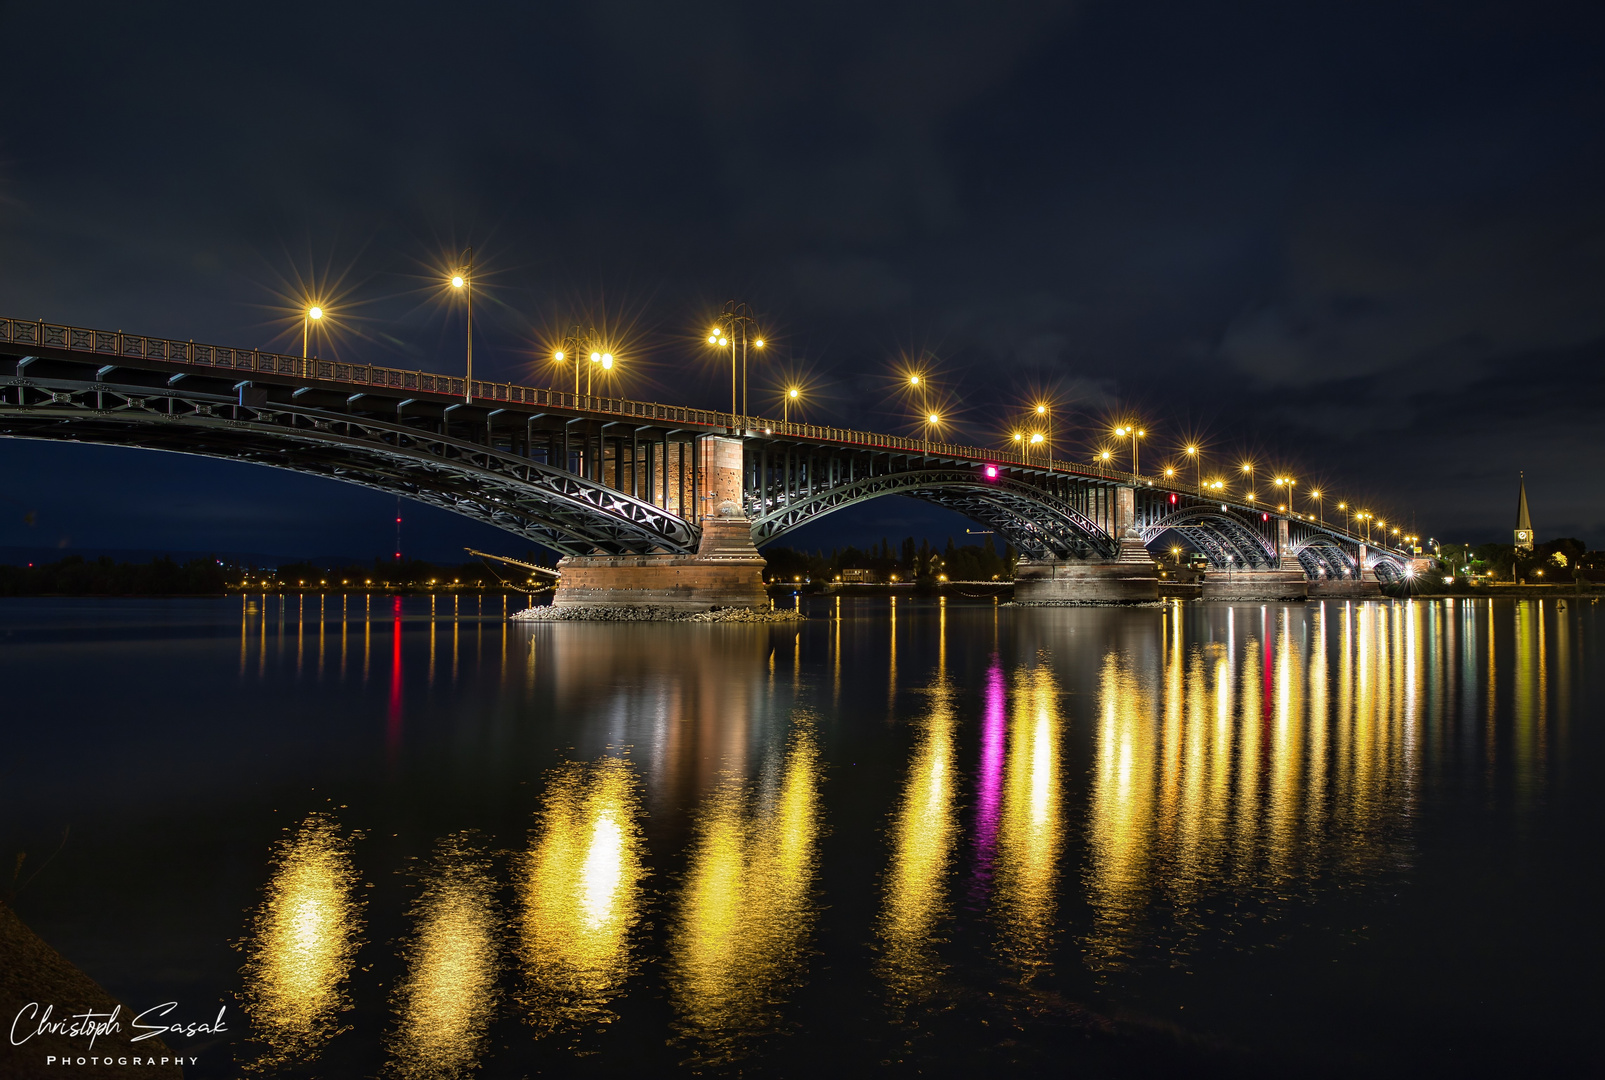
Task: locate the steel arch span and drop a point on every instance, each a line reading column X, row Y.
column 552, row 507
column 1037, row 523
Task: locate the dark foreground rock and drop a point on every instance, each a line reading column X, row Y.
column 33, row 976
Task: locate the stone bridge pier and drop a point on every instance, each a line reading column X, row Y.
column 1129, row 578
column 726, row 571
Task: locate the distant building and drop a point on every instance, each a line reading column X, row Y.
column 1524, row 521
column 861, row 577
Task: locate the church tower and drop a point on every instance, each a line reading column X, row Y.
column 1524, row 521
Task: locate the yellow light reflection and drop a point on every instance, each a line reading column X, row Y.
column 747, row 909
column 1031, row 833
column 447, row 998
column 579, row 895
column 923, row 832
column 303, row 942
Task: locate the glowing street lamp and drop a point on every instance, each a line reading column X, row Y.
column 1047, row 418
column 1198, row 463
column 459, row 280
column 792, row 394
column 1320, row 518
column 931, row 420
column 1128, row 431
column 313, row 314
column 737, row 320
column 579, row 343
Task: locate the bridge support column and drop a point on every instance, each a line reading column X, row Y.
column 726, row 571
column 1128, row 578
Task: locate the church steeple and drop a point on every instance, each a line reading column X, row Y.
column 1524, row 521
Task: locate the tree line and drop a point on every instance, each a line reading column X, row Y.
column 909, row 561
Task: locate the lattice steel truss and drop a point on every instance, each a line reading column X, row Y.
column 552, row 507
column 1038, row 523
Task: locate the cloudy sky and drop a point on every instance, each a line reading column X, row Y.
column 1364, row 243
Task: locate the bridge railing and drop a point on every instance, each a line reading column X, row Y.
column 115, row 344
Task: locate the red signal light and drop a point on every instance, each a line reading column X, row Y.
column 1265, row 517
column 991, row 472
column 1173, row 498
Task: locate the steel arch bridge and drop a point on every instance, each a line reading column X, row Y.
column 588, row 475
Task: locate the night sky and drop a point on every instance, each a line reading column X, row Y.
column 1363, row 243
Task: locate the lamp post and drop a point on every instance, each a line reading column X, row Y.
column 1320, row 517
column 1047, row 417
column 460, row 280
column 313, row 313
column 582, row 344
column 1198, row 464
column 736, row 321
column 792, row 394
column 1128, row 431
column 1038, row 440
column 931, row 420
column 1248, row 467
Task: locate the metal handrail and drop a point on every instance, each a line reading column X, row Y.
column 116, row 344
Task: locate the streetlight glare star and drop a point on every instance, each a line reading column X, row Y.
column 596, row 358
column 758, row 344
column 558, row 355
column 793, row 393
column 315, row 312
column 457, row 281
column 934, row 418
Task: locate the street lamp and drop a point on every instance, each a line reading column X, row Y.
column 791, row 395
column 1320, row 519
column 579, row 343
column 931, row 420
column 313, row 314
column 1047, row 417
column 736, row 321
column 1198, row 462
column 1128, row 431
column 1248, row 467
column 460, row 280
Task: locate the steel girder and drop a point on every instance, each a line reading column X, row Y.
column 552, row 507
column 1038, row 524
column 1233, row 535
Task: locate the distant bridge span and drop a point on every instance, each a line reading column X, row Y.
column 591, row 475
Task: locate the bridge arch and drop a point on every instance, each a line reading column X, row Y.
column 552, row 507
column 1223, row 539
column 1038, row 524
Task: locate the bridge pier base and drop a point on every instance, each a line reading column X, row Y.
column 1268, row 585
column 1129, row 578
column 726, row 571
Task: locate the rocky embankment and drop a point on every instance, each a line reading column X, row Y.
column 548, row 613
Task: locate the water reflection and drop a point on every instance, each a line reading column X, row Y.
column 924, row 829
column 579, row 895
column 303, row 942
column 1031, row 836
column 1251, row 757
column 747, row 908
column 445, row 1001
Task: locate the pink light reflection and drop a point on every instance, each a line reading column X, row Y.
column 994, row 730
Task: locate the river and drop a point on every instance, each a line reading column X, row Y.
column 408, row 838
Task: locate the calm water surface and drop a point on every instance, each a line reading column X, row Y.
column 408, row 838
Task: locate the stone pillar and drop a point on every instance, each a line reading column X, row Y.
column 726, row 571
column 1128, row 578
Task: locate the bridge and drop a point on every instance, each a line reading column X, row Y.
column 650, row 502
